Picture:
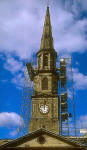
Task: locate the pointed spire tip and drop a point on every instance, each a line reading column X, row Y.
column 47, row 39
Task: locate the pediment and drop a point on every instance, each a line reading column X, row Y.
column 45, row 140
column 42, row 138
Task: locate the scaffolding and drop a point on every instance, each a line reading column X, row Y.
column 66, row 97
column 25, row 111
column 27, row 92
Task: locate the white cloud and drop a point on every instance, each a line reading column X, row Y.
column 69, row 93
column 21, row 23
column 69, row 33
column 18, row 80
column 21, row 28
column 76, row 6
column 13, row 65
column 16, row 68
column 22, row 81
column 10, row 119
column 80, row 80
column 17, row 30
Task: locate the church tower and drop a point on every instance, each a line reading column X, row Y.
column 45, row 102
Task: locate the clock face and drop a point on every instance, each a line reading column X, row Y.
column 44, row 109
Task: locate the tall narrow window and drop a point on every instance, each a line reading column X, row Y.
column 44, row 83
column 39, row 62
column 45, row 60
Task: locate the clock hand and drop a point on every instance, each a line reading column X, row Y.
column 44, row 106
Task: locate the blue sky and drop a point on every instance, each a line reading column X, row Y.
column 21, row 25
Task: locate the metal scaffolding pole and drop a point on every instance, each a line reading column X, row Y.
column 73, row 99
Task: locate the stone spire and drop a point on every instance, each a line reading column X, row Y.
column 47, row 39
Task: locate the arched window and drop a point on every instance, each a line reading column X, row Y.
column 44, row 83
